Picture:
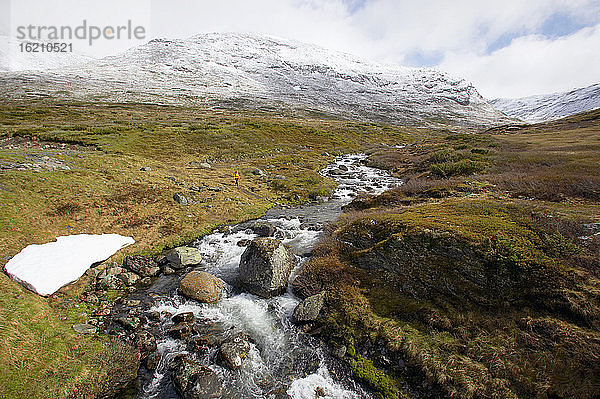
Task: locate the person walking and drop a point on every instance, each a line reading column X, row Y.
column 236, row 176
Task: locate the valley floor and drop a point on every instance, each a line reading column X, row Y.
column 477, row 278
column 162, row 175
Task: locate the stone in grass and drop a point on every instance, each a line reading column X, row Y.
column 201, row 286
column 184, row 257
column 85, row 328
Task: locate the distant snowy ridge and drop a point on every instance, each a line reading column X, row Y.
column 257, row 71
column 551, row 106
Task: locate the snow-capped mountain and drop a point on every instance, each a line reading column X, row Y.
column 551, row 106
column 256, row 71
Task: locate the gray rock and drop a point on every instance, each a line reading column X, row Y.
column 180, row 330
column 111, row 282
column 204, row 165
column 258, row 172
column 194, row 380
column 129, row 278
column 184, row 257
column 145, row 342
column 142, row 265
column 145, row 168
column 263, row 228
column 131, row 323
column 265, row 267
column 180, row 199
column 85, row 328
column 201, row 286
column 233, row 352
column 308, row 310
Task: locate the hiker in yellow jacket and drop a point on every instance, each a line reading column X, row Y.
column 236, row 176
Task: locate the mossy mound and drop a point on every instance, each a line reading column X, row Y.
column 475, row 296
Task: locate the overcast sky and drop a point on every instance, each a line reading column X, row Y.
column 507, row 48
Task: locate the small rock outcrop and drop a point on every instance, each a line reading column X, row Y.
column 194, row 380
column 308, row 310
column 201, row 286
column 265, row 267
column 142, row 265
column 184, row 257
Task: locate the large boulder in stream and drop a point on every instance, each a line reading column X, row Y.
column 194, row 380
column 201, row 286
column 265, row 267
column 182, row 257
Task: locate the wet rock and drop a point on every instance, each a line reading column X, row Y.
column 180, row 330
column 129, row 278
column 233, row 352
column 185, row 316
column 210, row 336
column 184, row 257
column 145, row 342
column 265, row 267
column 308, row 310
column 243, row 243
column 201, row 286
column 85, row 328
column 142, row 265
column 262, row 228
column 338, row 350
column 131, row 323
column 194, row 380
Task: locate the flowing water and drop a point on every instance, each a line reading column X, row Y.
column 283, row 362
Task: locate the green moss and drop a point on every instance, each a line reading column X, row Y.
column 364, row 370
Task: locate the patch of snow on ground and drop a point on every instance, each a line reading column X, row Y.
column 46, row 268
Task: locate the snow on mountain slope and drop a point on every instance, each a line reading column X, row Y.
column 256, row 71
column 552, row 106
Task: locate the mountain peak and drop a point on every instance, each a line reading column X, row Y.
column 260, row 71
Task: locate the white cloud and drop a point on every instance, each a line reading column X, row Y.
column 532, row 65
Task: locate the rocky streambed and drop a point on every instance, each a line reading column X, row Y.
column 222, row 320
